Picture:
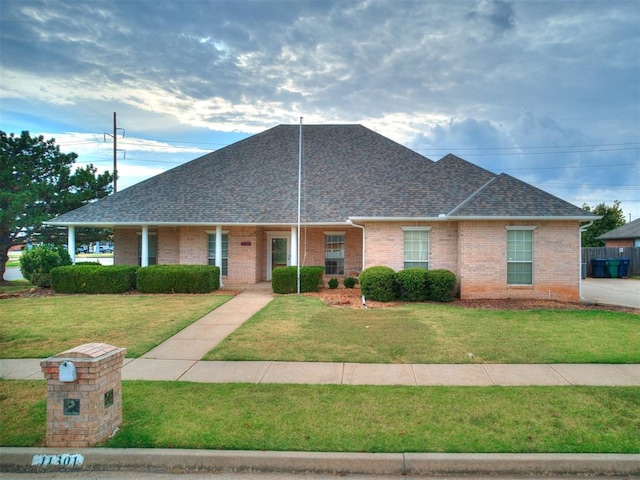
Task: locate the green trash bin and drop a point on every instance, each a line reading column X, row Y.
column 612, row 267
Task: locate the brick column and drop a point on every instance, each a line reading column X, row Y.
column 87, row 411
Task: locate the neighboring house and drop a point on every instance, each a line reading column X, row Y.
column 365, row 201
column 628, row 235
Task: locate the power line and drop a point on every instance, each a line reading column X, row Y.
column 543, row 153
column 569, row 166
column 595, row 145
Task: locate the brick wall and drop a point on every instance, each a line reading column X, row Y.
column 385, row 244
column 125, row 243
column 482, row 262
column 168, row 245
column 474, row 250
column 243, row 266
column 619, row 242
column 312, row 248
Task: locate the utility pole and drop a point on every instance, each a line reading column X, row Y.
column 115, row 150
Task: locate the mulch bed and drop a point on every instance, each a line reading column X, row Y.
column 351, row 297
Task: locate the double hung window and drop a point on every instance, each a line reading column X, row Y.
column 334, row 253
column 520, row 255
column 416, row 247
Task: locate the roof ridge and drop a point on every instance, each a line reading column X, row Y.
column 470, row 197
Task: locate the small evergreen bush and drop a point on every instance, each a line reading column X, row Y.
column 93, row 278
column 333, row 283
column 349, row 282
column 36, row 263
column 379, row 283
column 413, row 284
column 178, row 279
column 284, row 280
column 441, row 285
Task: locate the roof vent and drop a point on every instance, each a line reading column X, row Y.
column 442, row 215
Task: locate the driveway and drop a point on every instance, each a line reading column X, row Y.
column 624, row 292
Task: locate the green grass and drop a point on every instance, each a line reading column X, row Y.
column 351, row 418
column 15, row 286
column 305, row 329
column 43, row 326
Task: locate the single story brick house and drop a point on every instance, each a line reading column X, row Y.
column 628, row 235
column 365, row 200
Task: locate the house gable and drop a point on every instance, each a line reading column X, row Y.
column 507, row 197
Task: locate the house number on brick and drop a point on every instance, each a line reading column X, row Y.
column 64, row 460
column 71, row 406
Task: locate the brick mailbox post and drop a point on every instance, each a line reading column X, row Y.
column 84, row 395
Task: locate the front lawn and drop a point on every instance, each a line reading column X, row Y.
column 334, row 418
column 306, row 330
column 39, row 327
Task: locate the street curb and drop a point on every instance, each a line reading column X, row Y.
column 14, row 459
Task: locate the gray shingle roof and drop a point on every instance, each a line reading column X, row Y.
column 628, row 230
column 349, row 171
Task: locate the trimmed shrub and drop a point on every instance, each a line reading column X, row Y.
column 413, row 284
column 311, row 278
column 36, row 263
column 379, row 283
column 349, row 282
column 441, row 285
column 178, row 279
column 94, row 278
column 284, row 280
column 333, row 283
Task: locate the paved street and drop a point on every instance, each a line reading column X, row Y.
column 268, row 476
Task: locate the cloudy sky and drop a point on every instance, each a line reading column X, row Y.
column 547, row 91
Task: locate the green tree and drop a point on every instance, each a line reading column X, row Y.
column 612, row 218
column 36, row 184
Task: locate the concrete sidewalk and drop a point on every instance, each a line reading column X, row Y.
column 356, row 373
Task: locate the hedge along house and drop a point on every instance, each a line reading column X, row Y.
column 365, row 200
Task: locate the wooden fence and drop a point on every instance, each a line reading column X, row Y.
column 631, row 253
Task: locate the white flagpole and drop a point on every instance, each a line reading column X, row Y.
column 299, row 195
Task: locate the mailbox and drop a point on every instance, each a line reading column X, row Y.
column 67, row 372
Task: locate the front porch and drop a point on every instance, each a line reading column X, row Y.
column 245, row 254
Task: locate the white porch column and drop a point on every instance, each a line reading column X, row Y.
column 144, row 250
column 71, row 243
column 219, row 250
column 294, row 246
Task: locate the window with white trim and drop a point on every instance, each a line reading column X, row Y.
column 225, row 251
column 520, row 255
column 416, row 247
column 334, row 253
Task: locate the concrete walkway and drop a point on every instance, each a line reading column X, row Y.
column 178, row 359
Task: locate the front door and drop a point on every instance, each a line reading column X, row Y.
column 279, row 253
